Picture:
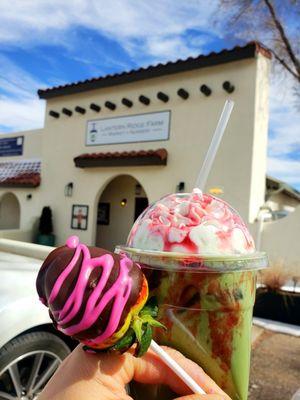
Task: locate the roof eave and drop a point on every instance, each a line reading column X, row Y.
column 19, row 185
column 283, row 188
column 291, row 194
column 236, row 54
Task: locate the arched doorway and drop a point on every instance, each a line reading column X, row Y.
column 120, row 203
column 9, row 212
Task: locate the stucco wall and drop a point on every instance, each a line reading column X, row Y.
column 32, row 145
column 260, row 138
column 281, row 201
column 280, row 238
column 192, row 124
column 16, row 234
column 239, row 168
column 30, row 209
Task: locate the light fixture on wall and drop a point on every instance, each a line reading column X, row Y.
column 180, row 187
column 69, row 189
column 138, row 189
column 123, row 202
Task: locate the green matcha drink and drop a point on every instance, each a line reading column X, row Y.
column 201, row 265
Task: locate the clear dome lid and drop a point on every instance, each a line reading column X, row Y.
column 192, row 229
column 192, row 223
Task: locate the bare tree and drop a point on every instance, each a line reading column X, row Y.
column 275, row 23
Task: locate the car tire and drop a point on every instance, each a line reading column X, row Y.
column 27, row 363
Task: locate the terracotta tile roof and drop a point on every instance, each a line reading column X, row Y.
column 124, row 158
column 25, row 173
column 249, row 50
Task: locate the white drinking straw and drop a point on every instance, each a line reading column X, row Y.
column 176, row 368
column 214, row 145
column 200, row 183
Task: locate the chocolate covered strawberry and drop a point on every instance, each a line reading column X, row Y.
column 97, row 297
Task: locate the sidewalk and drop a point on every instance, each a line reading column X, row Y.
column 275, row 365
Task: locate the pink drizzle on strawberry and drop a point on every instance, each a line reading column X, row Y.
column 98, row 300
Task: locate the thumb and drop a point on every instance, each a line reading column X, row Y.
column 202, row 397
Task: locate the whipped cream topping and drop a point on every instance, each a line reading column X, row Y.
column 192, row 223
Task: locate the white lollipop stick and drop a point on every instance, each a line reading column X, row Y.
column 214, row 145
column 176, row 368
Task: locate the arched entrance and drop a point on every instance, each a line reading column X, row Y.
column 120, row 203
column 9, row 212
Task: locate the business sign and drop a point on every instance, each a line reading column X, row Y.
column 11, row 146
column 134, row 128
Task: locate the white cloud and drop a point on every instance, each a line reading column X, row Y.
column 20, row 108
column 169, row 47
column 126, row 21
column 284, row 141
column 285, row 118
column 15, row 80
column 144, row 29
column 154, row 30
column 286, row 170
column 20, row 115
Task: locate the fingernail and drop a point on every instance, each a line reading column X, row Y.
column 212, row 391
column 90, row 352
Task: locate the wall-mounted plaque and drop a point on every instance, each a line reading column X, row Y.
column 127, row 129
column 79, row 219
column 11, row 146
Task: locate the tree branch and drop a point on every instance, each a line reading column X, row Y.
column 284, row 64
column 242, row 11
column 286, row 42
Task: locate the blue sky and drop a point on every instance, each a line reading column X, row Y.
column 45, row 43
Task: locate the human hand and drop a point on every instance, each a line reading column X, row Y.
column 84, row 376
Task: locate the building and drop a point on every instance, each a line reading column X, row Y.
column 111, row 145
column 281, row 198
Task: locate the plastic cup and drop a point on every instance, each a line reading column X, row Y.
column 206, row 305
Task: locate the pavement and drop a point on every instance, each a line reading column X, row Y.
column 275, row 365
column 256, row 333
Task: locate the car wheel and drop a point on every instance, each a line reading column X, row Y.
column 27, row 363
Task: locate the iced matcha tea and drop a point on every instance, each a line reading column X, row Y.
column 201, row 264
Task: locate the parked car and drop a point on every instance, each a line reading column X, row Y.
column 30, row 348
